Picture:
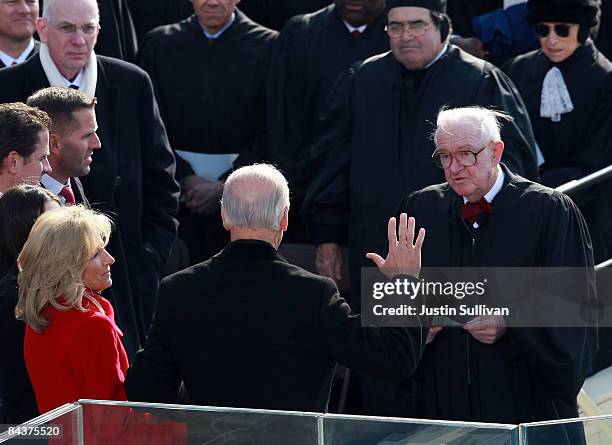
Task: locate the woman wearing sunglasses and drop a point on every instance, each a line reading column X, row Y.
column 567, row 88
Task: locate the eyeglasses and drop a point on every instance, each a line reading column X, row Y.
column 465, row 158
column 561, row 30
column 88, row 29
column 416, row 29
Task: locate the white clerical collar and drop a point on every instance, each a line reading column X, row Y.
column 222, row 30
column 351, row 28
column 52, row 184
column 499, row 183
column 8, row 60
column 440, row 54
column 77, row 80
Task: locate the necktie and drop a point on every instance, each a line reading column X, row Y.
column 356, row 33
column 472, row 210
column 73, row 86
column 14, row 63
column 68, row 195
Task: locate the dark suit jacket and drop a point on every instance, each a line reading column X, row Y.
column 131, row 179
column 32, row 53
column 248, row 329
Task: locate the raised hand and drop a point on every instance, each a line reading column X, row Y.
column 404, row 257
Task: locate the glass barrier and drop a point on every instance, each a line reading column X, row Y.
column 582, row 431
column 133, row 423
column 60, row 426
column 89, row 422
column 357, row 430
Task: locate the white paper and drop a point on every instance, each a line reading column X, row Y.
column 210, row 166
column 508, row 3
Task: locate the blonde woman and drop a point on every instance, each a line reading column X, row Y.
column 72, row 345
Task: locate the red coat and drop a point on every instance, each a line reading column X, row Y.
column 78, row 356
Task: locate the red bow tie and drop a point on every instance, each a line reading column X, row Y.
column 472, row 210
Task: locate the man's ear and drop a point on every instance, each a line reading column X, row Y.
column 11, row 162
column 284, row 222
column 225, row 225
column 54, row 144
column 498, row 149
column 42, row 27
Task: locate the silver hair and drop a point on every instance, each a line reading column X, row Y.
column 48, row 3
column 488, row 121
column 255, row 197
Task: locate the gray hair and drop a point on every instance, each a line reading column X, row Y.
column 255, row 197
column 478, row 118
column 47, row 6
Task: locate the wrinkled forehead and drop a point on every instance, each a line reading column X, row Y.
column 458, row 136
column 74, row 11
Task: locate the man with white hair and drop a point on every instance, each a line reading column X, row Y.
column 132, row 177
column 486, row 216
column 248, row 329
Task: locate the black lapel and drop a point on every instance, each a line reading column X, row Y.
column 34, row 75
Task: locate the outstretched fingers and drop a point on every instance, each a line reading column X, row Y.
column 392, row 233
column 404, row 230
column 377, row 259
column 420, row 238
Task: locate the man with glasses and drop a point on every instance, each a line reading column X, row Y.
column 17, row 27
column 133, row 176
column 567, row 89
column 484, row 215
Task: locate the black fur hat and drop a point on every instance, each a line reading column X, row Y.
column 432, row 5
column 583, row 12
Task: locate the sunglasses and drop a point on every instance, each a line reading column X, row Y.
column 561, row 30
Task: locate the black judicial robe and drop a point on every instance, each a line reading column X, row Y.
column 604, row 36
column 210, row 93
column 529, row 374
column 149, row 14
column 311, row 53
column 32, row 53
column 580, row 143
column 378, row 136
column 274, row 13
